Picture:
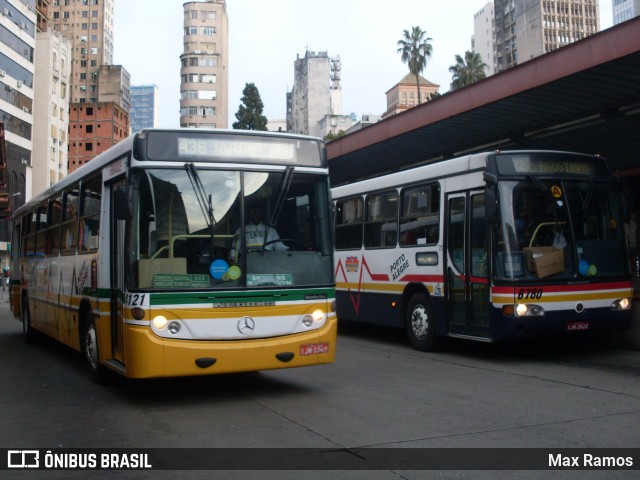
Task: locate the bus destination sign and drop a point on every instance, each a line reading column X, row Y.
column 548, row 164
column 223, row 148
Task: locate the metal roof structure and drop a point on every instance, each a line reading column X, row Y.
column 584, row 97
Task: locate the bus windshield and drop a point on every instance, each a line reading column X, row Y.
column 196, row 228
column 559, row 229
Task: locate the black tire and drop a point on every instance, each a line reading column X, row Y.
column 98, row 373
column 421, row 323
column 28, row 333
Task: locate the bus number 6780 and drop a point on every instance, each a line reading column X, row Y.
column 530, row 293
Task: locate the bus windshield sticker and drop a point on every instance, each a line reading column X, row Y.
column 278, row 279
column 171, row 280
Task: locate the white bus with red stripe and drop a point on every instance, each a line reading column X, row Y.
column 490, row 246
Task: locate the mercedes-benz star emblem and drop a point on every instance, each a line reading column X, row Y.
column 246, row 325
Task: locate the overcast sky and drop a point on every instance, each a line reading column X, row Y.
column 265, row 38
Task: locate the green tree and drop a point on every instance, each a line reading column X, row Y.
column 468, row 70
column 332, row 136
column 249, row 114
column 415, row 51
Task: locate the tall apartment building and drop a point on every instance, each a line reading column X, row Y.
column 89, row 25
column 624, row 10
column 51, row 110
column 96, row 84
column 483, row 40
column 314, row 105
column 144, row 107
column 204, row 86
column 18, row 20
column 526, row 29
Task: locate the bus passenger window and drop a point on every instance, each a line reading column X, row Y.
column 348, row 229
column 420, row 219
column 70, row 222
column 381, row 225
column 90, row 214
column 53, row 233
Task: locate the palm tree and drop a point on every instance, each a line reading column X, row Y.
column 467, row 70
column 415, row 51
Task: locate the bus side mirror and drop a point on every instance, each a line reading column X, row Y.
column 490, row 206
column 490, row 199
column 123, row 203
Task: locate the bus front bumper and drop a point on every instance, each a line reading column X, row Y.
column 148, row 356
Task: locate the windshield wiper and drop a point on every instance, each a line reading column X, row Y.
column 587, row 198
column 282, row 196
column 205, row 202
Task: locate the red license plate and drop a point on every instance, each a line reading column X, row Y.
column 577, row 326
column 314, row 349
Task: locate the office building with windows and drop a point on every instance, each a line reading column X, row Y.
column 18, row 26
column 624, row 10
column 483, row 40
column 204, row 65
column 144, row 107
column 526, row 29
column 97, row 86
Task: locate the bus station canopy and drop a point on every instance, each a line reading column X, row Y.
column 584, row 97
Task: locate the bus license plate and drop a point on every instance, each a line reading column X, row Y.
column 314, row 349
column 577, row 326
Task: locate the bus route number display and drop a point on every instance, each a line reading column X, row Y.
column 224, row 148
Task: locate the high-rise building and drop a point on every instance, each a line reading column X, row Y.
column 624, row 10
column 484, row 32
column 314, row 105
column 204, row 86
column 18, row 20
column 144, row 107
column 89, row 25
column 51, row 110
column 96, row 84
column 526, row 29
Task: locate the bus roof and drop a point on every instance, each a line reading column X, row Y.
column 125, row 146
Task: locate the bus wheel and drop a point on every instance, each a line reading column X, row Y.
column 421, row 323
column 90, row 349
column 28, row 333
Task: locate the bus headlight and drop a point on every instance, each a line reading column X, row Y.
column 521, row 310
column 174, row 327
column 318, row 316
column 621, row 304
column 160, row 322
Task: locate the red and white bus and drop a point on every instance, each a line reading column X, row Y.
column 489, row 246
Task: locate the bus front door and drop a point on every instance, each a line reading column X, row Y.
column 117, row 279
column 466, row 283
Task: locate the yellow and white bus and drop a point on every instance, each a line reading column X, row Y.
column 140, row 261
column 487, row 247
